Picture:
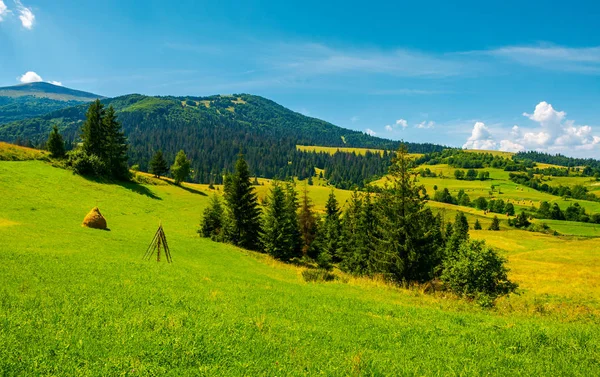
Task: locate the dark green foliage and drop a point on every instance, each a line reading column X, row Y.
column 212, row 220
column 292, row 227
column 274, row 241
column 481, row 203
column 85, row 164
column 459, row 174
column 115, row 145
column 158, row 165
column 521, row 221
column 556, row 213
column 93, row 133
column 409, row 245
column 536, row 182
column 477, row 225
column 330, row 234
column 509, row 208
column 444, row 196
column 495, row 225
column 180, row 170
column 476, row 270
column 463, row 199
column 460, row 233
column 56, row 144
column 316, row 275
column 243, row 213
column 308, row 222
column 458, row 158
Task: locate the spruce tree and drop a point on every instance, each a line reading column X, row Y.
column 406, row 250
column 56, row 145
column 292, row 228
column 212, row 220
column 115, row 145
column 93, row 133
column 477, row 225
column 180, row 168
column 330, row 236
column 351, row 240
column 495, row 224
column 243, row 215
column 308, row 226
column 158, row 165
column 274, row 239
column 460, row 233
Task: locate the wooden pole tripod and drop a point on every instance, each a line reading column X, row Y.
column 159, row 242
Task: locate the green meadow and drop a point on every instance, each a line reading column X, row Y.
column 77, row 301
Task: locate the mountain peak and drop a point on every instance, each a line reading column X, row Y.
column 47, row 90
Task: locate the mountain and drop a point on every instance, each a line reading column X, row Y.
column 38, row 98
column 213, row 130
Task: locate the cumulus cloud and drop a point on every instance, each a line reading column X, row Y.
column 3, row 10
column 481, row 138
column 369, row 131
column 57, row 83
column 426, row 124
column 509, row 146
column 389, row 128
column 29, row 77
column 25, row 15
column 402, row 122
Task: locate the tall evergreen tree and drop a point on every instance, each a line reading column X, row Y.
column 115, row 145
column 292, row 228
column 158, row 165
column 242, row 205
column 351, row 239
column 406, row 249
column 180, row 168
column 495, row 225
column 330, row 235
column 212, row 220
column 274, row 239
column 460, row 233
column 92, row 132
column 308, row 226
column 56, row 145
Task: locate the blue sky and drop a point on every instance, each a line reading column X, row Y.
column 508, row 75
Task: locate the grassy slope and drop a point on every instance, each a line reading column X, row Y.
column 76, row 301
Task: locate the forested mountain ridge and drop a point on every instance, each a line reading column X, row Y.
column 213, row 130
column 35, row 99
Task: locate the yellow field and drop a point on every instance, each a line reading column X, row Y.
column 332, row 150
column 495, row 153
column 11, row 152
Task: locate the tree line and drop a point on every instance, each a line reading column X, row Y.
column 391, row 234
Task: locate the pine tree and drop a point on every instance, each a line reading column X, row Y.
column 330, row 236
column 460, row 233
column 308, row 226
column 56, row 145
column 407, row 250
column 292, row 228
column 495, row 224
column 115, row 148
column 477, row 225
column 180, row 168
column 274, row 239
column 212, row 220
column 93, row 132
column 243, row 215
column 158, row 165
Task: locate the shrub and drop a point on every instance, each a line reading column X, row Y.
column 476, row 271
column 317, row 275
column 86, row 164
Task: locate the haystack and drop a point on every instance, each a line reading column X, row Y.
column 94, row 219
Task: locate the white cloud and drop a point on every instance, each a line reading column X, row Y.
column 57, row 83
column 369, row 131
column 25, row 15
column 29, row 77
column 426, row 124
column 3, row 10
column 509, row 146
column 481, row 138
column 402, row 122
column 389, row 128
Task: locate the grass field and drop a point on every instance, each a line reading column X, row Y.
column 76, row 301
column 332, row 150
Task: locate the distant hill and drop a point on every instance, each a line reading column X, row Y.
column 35, row 99
column 213, row 130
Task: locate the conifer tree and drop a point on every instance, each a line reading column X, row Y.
column 406, row 250
column 330, row 236
column 308, row 226
column 477, row 225
column 460, row 233
column 115, row 145
column 92, row 132
column 495, row 224
column 158, row 165
column 292, row 228
column 56, row 145
column 212, row 220
column 274, row 239
column 351, row 239
column 243, row 212
column 180, row 168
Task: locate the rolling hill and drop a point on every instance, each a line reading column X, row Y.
column 35, row 99
column 213, row 130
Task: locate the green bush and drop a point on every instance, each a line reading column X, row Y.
column 317, row 275
column 476, row 271
column 85, row 164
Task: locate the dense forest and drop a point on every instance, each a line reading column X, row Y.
column 459, row 158
column 214, row 130
column 558, row 159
